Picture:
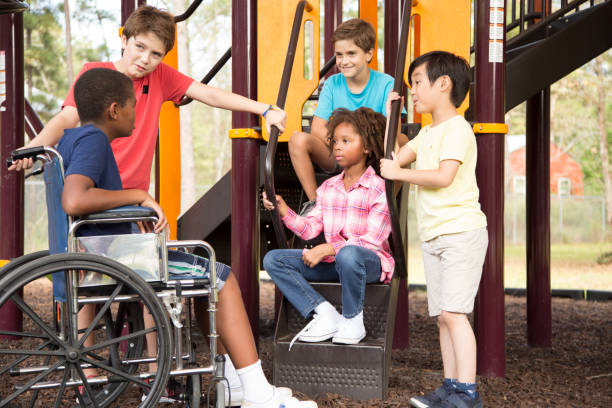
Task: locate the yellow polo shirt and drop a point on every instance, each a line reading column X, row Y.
column 454, row 208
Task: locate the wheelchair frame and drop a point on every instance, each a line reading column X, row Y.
column 65, row 344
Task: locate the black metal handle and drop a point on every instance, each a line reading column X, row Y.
column 192, row 7
column 279, row 229
column 396, row 106
column 210, row 75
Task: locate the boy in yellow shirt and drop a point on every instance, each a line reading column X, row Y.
column 451, row 225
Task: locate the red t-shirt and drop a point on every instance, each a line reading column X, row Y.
column 134, row 154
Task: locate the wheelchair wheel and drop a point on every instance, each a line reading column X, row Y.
column 194, row 391
column 39, row 367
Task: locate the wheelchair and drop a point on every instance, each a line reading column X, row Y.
column 44, row 363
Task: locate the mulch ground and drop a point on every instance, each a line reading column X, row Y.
column 575, row 372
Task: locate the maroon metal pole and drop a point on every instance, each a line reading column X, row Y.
column 11, row 137
column 490, row 108
column 245, row 161
column 393, row 13
column 332, row 19
column 127, row 7
column 539, row 314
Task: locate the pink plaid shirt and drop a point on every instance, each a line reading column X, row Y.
column 359, row 216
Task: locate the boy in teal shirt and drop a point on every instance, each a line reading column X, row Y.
column 354, row 87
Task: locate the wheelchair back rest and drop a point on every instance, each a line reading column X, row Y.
column 57, row 218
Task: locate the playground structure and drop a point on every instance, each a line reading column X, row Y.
column 505, row 74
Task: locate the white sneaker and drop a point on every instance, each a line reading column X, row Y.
column 320, row 328
column 238, row 395
column 350, row 331
column 279, row 400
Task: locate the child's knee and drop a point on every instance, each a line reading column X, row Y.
column 298, row 142
column 450, row 318
column 348, row 257
column 271, row 259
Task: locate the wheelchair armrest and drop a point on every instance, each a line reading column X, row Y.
column 129, row 211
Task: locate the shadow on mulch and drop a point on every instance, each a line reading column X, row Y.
column 575, row 372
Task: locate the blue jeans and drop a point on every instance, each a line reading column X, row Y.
column 353, row 268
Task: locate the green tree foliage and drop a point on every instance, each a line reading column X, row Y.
column 45, row 50
column 44, row 53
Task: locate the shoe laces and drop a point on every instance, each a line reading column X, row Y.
column 305, row 329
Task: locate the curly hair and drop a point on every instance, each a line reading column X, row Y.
column 368, row 124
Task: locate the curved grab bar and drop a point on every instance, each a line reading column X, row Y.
column 192, row 7
column 279, row 230
column 328, row 65
column 396, row 106
column 210, row 75
column 33, row 123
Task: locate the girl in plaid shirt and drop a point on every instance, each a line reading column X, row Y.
column 351, row 210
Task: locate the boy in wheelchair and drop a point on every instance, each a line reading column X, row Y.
column 105, row 102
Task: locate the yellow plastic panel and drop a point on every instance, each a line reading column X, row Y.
column 274, row 22
column 368, row 11
column 3, row 262
column 444, row 26
column 170, row 155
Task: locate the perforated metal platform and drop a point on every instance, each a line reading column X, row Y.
column 360, row 371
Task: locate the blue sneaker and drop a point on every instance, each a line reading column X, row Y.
column 431, row 399
column 460, row 400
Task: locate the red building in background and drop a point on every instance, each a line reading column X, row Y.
column 565, row 172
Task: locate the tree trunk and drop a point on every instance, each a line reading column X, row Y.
column 603, row 139
column 187, row 163
column 69, row 70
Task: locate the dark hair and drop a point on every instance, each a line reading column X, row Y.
column 358, row 30
column 149, row 19
column 97, row 89
column 368, row 124
column 440, row 63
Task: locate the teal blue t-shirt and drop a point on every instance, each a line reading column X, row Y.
column 336, row 94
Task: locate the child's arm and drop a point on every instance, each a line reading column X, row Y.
column 441, row 177
column 226, row 100
column 80, row 197
column 283, row 208
column 313, row 256
column 68, row 118
column 304, row 227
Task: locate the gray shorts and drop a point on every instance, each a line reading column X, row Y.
column 453, row 267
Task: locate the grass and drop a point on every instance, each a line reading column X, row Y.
column 573, row 266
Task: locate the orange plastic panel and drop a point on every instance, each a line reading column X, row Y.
column 274, row 22
column 443, row 25
column 368, row 11
column 170, row 155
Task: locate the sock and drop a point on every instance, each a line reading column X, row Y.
column 326, row 309
column 467, row 388
column 450, row 384
column 230, row 373
column 256, row 387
